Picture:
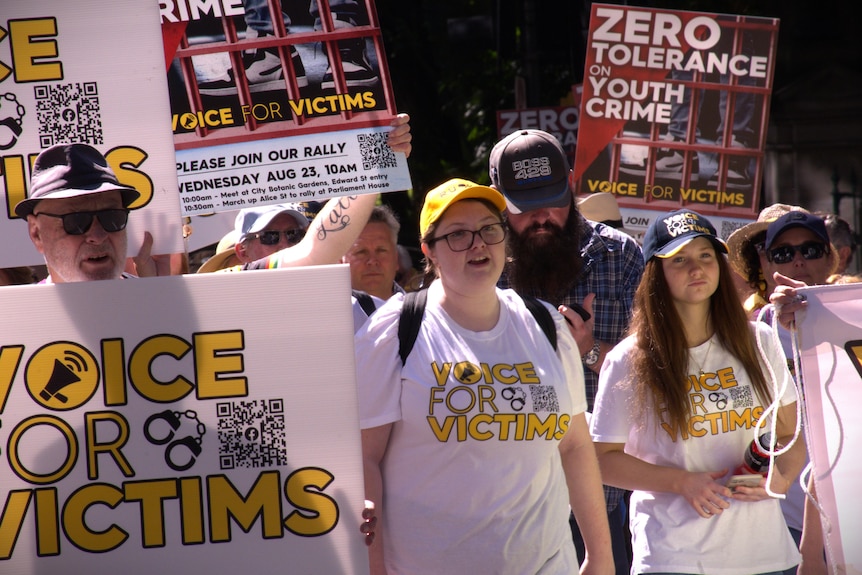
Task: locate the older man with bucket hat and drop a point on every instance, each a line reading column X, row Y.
column 76, row 214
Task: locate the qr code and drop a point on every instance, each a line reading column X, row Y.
column 251, row 433
column 741, row 397
column 544, row 398
column 69, row 113
column 728, row 228
column 376, row 153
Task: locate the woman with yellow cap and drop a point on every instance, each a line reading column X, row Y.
column 476, row 445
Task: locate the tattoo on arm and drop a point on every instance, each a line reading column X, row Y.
column 338, row 219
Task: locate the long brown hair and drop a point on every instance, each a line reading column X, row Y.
column 660, row 357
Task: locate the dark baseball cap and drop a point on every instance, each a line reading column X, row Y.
column 810, row 222
column 531, row 170
column 68, row 171
column 671, row 232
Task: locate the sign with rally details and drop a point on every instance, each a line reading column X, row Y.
column 295, row 169
column 158, row 424
column 281, row 106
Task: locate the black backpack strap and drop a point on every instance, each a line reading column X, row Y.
column 410, row 322
column 543, row 317
column 414, row 307
column 365, row 301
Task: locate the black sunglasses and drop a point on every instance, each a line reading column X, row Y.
column 785, row 254
column 271, row 237
column 77, row 223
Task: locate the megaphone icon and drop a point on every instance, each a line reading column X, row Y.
column 60, row 379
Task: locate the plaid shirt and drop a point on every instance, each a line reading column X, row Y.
column 613, row 264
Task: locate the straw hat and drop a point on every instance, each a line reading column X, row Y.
column 225, row 255
column 602, row 207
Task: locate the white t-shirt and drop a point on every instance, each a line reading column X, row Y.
column 667, row 533
column 472, row 477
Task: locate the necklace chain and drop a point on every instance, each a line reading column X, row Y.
column 705, row 357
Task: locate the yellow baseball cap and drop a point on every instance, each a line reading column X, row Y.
column 438, row 200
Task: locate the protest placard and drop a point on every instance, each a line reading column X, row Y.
column 560, row 121
column 675, row 107
column 830, row 335
column 91, row 73
column 272, row 107
column 179, row 425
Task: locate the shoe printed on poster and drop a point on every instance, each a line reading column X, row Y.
column 264, row 71
column 703, row 166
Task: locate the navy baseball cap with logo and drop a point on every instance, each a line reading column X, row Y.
column 810, row 222
column 530, row 169
column 671, row 232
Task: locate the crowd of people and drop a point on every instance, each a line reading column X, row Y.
column 479, row 450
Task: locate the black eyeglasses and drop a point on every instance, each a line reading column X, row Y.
column 77, row 223
column 462, row 240
column 271, row 237
column 785, row 254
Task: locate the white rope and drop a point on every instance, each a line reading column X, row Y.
column 778, row 391
column 801, row 415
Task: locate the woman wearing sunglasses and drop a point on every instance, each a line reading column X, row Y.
column 756, row 266
column 476, row 445
column 796, row 245
column 677, row 408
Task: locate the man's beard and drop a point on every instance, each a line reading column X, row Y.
column 546, row 266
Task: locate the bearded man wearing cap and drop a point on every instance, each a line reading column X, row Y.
column 559, row 256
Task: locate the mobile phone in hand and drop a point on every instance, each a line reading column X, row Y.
column 585, row 315
column 752, row 480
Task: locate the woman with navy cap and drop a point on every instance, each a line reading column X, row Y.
column 678, row 406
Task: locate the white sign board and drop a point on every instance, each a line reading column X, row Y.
column 94, row 73
column 184, row 424
column 831, row 347
column 311, row 167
